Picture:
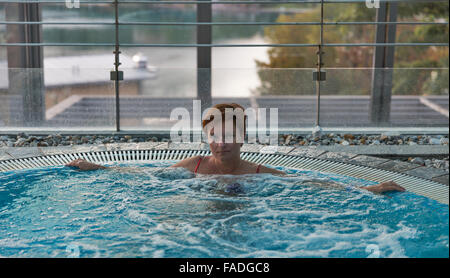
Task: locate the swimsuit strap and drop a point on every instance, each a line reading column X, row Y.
column 198, row 164
column 257, row 169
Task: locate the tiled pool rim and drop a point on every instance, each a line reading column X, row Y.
column 426, row 181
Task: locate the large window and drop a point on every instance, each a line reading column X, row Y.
column 385, row 67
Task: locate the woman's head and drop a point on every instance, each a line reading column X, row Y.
column 225, row 142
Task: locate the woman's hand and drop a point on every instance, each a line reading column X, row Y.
column 84, row 165
column 384, row 187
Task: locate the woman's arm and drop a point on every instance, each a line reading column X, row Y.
column 384, row 187
column 377, row 188
column 86, row 166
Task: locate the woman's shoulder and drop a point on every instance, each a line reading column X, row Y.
column 264, row 169
column 253, row 168
column 189, row 162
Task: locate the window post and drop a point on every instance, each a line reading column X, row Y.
column 383, row 63
column 204, row 36
column 25, row 63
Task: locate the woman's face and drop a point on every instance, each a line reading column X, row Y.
column 220, row 149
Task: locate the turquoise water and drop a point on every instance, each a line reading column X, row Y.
column 156, row 212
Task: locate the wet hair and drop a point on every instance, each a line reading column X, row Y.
column 221, row 107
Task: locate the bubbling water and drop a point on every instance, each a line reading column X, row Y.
column 155, row 211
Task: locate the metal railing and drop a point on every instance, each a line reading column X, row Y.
column 204, row 56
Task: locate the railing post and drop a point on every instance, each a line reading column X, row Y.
column 319, row 75
column 383, row 63
column 204, row 36
column 25, row 63
column 116, row 75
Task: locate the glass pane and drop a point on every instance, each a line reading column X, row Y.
column 398, row 97
column 159, row 79
column 290, row 91
column 63, row 95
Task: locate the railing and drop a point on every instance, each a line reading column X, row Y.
column 383, row 57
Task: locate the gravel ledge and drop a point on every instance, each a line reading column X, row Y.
column 348, row 155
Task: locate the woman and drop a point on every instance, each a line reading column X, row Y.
column 225, row 157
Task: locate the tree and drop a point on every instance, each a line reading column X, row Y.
column 297, row 80
column 286, row 72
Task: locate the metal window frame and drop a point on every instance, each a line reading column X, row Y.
column 204, row 40
column 269, row 2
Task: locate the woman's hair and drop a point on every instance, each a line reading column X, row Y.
column 221, row 107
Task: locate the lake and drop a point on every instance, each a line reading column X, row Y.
column 234, row 69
